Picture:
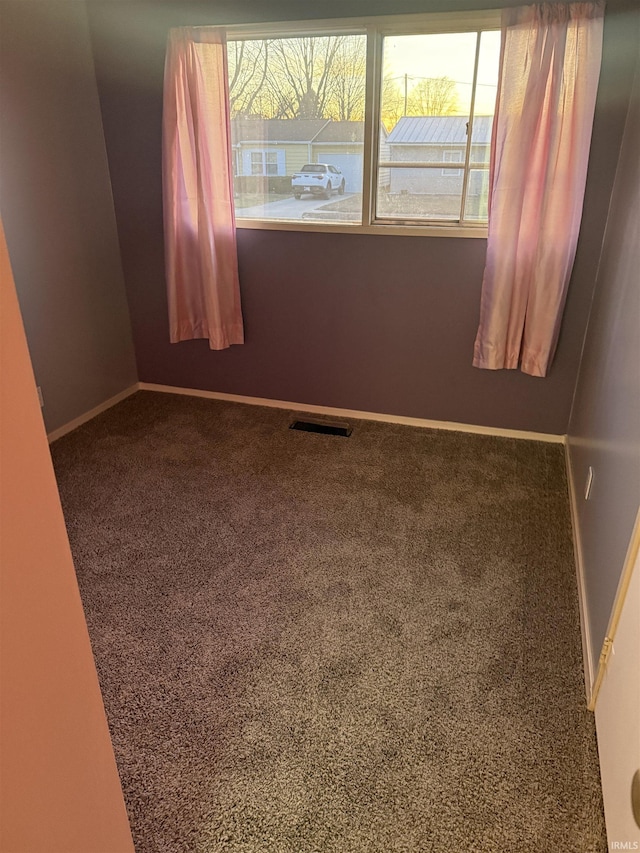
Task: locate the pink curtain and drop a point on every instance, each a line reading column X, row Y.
column 199, row 222
column 549, row 68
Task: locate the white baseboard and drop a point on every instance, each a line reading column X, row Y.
column 351, row 413
column 587, row 659
column 328, row 411
column 87, row 416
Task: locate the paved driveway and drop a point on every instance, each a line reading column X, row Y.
column 286, row 208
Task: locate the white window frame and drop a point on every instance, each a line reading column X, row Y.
column 447, row 157
column 375, row 29
column 267, row 162
column 262, row 152
column 253, row 155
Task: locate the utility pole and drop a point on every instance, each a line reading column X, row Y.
column 405, row 93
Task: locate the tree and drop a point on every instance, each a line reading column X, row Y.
column 433, row 96
column 348, row 75
column 430, row 96
column 248, row 62
column 307, row 78
column 324, row 78
column 392, row 102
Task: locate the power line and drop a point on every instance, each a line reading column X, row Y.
column 448, row 80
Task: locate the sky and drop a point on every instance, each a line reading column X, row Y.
column 451, row 55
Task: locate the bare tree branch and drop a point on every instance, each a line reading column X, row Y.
column 435, row 96
column 308, row 77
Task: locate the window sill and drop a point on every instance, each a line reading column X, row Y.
column 438, row 230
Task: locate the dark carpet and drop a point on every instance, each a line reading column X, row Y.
column 311, row 643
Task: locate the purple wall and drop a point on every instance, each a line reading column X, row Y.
column 604, row 431
column 58, row 210
column 377, row 323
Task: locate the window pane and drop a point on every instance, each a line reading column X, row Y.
column 425, row 104
column 271, row 162
column 486, row 88
column 422, row 194
column 475, row 208
column 301, row 101
column 452, row 157
column 427, row 75
column 478, row 186
column 256, row 163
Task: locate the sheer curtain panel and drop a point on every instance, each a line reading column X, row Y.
column 549, row 69
column 199, row 223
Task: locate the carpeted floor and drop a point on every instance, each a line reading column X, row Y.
column 310, row 643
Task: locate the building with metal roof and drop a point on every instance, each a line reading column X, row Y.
column 440, row 130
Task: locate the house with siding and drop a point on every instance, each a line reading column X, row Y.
column 439, row 139
column 281, row 147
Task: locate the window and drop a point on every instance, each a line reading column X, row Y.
column 271, row 163
column 452, row 157
column 258, row 162
column 257, row 167
column 439, row 92
column 351, row 121
column 302, row 99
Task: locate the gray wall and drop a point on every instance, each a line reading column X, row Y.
column 604, row 431
column 366, row 322
column 57, row 207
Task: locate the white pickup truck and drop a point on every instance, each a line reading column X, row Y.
column 319, row 179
